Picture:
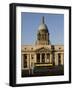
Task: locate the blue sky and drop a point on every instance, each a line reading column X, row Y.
column 31, row 21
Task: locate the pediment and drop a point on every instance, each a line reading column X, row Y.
column 43, row 49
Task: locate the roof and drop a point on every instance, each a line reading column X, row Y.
column 42, row 26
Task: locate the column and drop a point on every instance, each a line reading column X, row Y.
column 35, row 59
column 40, row 58
column 22, row 63
column 50, row 58
column 45, row 58
column 28, row 60
column 56, row 58
column 62, row 58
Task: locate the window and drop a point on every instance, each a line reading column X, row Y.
column 43, row 58
column 48, row 56
column 25, row 48
column 59, row 59
column 38, row 58
column 25, row 60
column 59, row 48
column 31, row 48
column 32, row 56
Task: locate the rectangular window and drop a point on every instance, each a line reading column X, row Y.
column 32, row 56
column 25, row 60
column 38, row 58
column 43, row 58
column 59, row 59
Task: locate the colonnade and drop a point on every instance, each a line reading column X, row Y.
column 42, row 58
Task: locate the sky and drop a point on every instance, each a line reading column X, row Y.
column 30, row 23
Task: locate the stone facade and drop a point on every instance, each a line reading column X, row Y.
column 43, row 52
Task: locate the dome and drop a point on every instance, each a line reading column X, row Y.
column 43, row 27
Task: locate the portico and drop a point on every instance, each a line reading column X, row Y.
column 29, row 59
column 43, row 58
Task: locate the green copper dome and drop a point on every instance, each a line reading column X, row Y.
column 43, row 26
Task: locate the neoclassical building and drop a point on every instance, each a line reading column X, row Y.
column 43, row 53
